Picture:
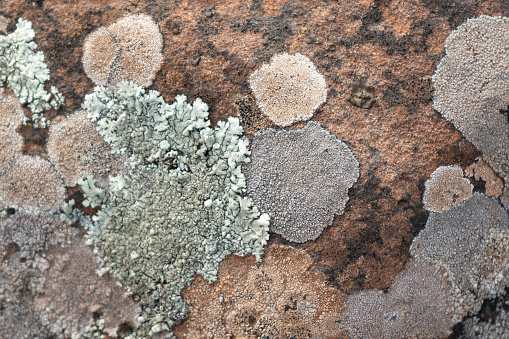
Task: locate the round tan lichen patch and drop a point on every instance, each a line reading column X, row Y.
column 130, row 49
column 446, row 188
column 77, row 150
column 31, row 182
column 289, row 89
column 99, row 54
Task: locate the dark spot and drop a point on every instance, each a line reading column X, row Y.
column 124, row 330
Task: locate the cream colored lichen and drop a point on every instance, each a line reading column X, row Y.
column 289, row 89
column 130, row 49
column 446, row 188
column 31, row 182
column 77, row 150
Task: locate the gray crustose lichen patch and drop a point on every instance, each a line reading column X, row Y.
column 300, row 178
column 181, row 210
column 471, row 86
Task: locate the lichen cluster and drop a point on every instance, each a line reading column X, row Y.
column 181, row 210
column 129, row 49
column 25, row 72
column 289, row 89
column 460, row 259
column 472, row 88
column 300, row 178
column 446, row 188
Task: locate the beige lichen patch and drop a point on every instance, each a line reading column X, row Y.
column 446, row 188
column 300, row 178
column 480, row 170
column 283, row 297
column 11, row 112
column 130, row 49
column 77, row 150
column 289, row 89
column 31, row 182
column 462, row 241
column 11, row 142
column 73, row 292
column 418, row 305
column 99, row 54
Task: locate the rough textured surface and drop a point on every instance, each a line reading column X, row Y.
column 462, row 241
column 472, row 88
column 418, row 305
column 480, row 170
column 77, row 150
column 300, row 178
column 446, row 188
column 181, row 211
column 129, row 49
column 25, row 240
column 11, row 142
column 31, row 182
column 74, row 293
column 50, row 287
column 283, row 297
column 289, row 89
column 395, row 44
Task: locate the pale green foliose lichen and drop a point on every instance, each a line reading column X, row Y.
column 25, row 72
column 182, row 208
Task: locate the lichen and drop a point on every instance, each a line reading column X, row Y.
column 289, row 89
column 77, row 150
column 181, row 210
column 31, row 182
column 129, row 49
column 300, row 178
column 25, row 73
column 446, row 188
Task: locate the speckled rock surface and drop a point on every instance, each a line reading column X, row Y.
column 210, row 53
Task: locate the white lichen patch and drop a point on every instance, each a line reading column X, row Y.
column 181, row 210
column 446, row 188
column 289, row 89
column 31, row 182
column 300, row 178
column 129, row 49
column 462, row 241
column 418, row 305
column 25, row 72
column 77, row 150
column 472, row 87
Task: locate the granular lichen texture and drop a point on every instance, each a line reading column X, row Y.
column 129, row 49
column 460, row 259
column 77, row 150
column 31, row 182
column 11, row 142
column 461, row 241
column 283, row 297
column 180, row 211
column 300, row 178
column 289, row 89
column 446, row 188
column 472, row 87
column 418, row 305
